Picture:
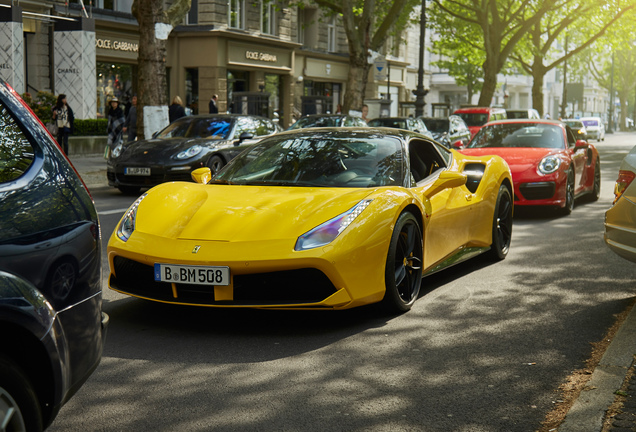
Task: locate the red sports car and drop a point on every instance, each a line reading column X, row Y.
column 549, row 167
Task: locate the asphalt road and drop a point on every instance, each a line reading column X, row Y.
column 485, row 348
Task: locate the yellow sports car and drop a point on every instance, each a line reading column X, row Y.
column 314, row 219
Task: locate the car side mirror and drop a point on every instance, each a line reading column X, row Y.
column 581, row 144
column 446, row 179
column 244, row 136
column 202, row 175
column 458, row 145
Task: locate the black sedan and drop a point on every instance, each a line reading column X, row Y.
column 187, row 144
column 327, row 120
column 51, row 317
column 450, row 131
column 406, row 123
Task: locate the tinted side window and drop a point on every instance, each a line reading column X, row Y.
column 244, row 124
column 16, row 153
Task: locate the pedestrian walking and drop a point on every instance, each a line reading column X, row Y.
column 116, row 121
column 176, row 110
column 130, row 125
column 214, row 108
column 64, row 118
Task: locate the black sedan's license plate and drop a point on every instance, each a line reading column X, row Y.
column 196, row 275
column 137, row 171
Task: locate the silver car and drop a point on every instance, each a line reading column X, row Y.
column 620, row 219
column 595, row 128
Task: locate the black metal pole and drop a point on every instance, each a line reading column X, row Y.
column 420, row 92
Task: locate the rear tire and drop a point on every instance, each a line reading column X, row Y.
column 596, row 190
column 19, row 406
column 403, row 271
column 502, row 225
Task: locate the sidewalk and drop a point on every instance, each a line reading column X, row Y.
column 92, row 169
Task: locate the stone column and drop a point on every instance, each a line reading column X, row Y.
column 12, row 48
column 75, row 65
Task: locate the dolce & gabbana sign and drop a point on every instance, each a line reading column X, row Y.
column 116, row 45
column 249, row 55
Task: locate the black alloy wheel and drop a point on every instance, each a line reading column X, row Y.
column 215, row 164
column 502, row 225
column 403, row 272
column 19, row 407
column 569, row 195
column 62, row 279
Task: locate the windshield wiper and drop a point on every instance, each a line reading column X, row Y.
column 281, row 183
column 221, row 181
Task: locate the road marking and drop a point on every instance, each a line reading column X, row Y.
column 110, row 212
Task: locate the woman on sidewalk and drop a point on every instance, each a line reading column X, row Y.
column 116, row 121
column 64, row 118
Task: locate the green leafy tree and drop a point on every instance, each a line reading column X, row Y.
column 152, row 19
column 42, row 104
column 577, row 25
column 367, row 24
column 497, row 27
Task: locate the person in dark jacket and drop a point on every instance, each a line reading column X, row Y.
column 176, row 110
column 214, row 108
column 130, row 125
column 64, row 118
column 116, row 121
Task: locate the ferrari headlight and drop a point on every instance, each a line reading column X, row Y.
column 127, row 224
column 117, row 151
column 327, row 232
column 191, row 152
column 549, row 164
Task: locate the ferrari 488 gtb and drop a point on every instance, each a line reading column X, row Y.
column 314, row 219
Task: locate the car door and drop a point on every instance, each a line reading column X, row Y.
column 447, row 229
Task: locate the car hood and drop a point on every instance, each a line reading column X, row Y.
column 158, row 150
column 518, row 159
column 240, row 213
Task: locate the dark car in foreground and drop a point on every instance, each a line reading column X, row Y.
column 451, row 131
column 51, row 318
column 188, row 143
column 406, row 123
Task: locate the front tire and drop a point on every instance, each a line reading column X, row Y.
column 569, row 195
column 502, row 225
column 403, row 272
column 215, row 164
column 19, row 407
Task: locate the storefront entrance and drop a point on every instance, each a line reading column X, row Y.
column 114, row 80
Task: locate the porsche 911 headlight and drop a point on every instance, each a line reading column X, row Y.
column 117, row 151
column 127, row 224
column 327, row 232
column 191, row 152
column 549, row 164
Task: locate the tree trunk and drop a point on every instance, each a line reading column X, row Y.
column 152, row 83
column 359, row 69
column 622, row 97
column 489, row 87
column 538, row 75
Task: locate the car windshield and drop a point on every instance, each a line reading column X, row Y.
column 389, row 122
column 573, row 124
column 437, row 125
column 539, row 135
column 474, row 119
column 317, row 121
column 319, row 160
column 590, row 123
column 212, row 128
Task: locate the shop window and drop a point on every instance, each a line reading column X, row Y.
column 331, row 34
column 113, row 80
column 192, row 91
column 268, row 17
column 236, row 15
column 273, row 86
column 237, row 81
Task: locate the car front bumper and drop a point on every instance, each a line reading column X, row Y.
column 620, row 228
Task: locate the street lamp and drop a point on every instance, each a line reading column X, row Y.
column 420, row 92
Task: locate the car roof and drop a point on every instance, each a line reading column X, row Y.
column 481, row 110
column 524, row 120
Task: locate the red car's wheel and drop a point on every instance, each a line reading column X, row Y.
column 403, row 273
column 596, row 190
column 569, row 195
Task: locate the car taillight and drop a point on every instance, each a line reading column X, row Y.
column 625, row 178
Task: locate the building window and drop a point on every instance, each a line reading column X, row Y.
column 268, row 17
column 300, row 22
column 236, row 14
column 331, row 34
column 193, row 13
column 114, row 5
